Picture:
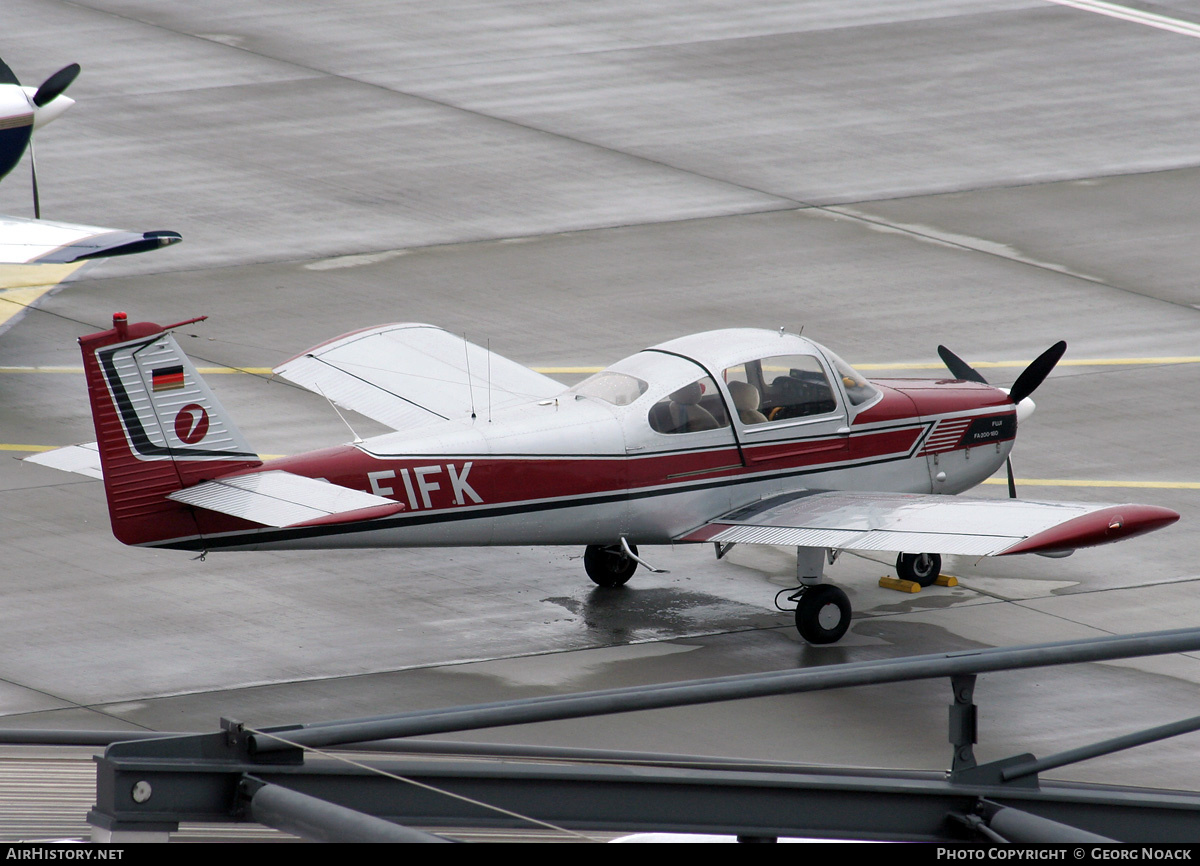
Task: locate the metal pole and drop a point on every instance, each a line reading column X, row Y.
column 321, row 821
column 1105, row 747
column 1017, row 825
column 731, row 688
column 29, row 736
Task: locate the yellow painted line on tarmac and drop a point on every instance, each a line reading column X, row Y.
column 1066, row 362
column 22, row 285
column 36, row 276
column 549, row 371
column 204, row 371
column 1080, row 482
column 1159, row 361
column 1155, row 361
column 38, row 449
column 1026, row 482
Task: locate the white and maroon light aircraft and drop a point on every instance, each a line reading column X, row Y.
column 734, row 436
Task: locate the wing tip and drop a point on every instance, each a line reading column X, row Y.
column 1103, row 526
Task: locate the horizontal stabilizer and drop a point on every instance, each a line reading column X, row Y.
column 34, row 241
column 82, row 459
column 410, row 375
column 277, row 498
column 915, row 523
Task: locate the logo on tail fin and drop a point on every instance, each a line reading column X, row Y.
column 191, row 423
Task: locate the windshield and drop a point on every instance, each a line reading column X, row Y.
column 858, row 389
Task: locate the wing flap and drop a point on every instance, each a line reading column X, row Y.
column 916, row 523
column 409, row 375
column 277, row 498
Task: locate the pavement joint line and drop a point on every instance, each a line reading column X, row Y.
column 1136, row 16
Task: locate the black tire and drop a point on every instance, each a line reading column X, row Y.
column 609, row 566
column 823, row 614
column 921, row 568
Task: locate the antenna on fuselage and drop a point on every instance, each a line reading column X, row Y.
column 489, row 379
column 470, row 387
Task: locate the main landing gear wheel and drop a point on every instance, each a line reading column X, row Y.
column 609, row 566
column 920, row 568
column 823, row 614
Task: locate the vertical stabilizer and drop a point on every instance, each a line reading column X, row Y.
column 159, row 429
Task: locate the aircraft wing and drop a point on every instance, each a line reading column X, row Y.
column 277, row 498
column 409, row 375
column 33, row 241
column 916, row 523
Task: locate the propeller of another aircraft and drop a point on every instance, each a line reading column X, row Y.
column 43, row 111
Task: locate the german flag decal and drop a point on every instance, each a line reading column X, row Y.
column 166, row 378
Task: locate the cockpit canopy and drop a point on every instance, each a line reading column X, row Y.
column 765, row 377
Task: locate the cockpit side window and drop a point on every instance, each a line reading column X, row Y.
column 690, row 409
column 779, row 388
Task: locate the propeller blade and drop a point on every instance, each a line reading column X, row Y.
column 1012, row 482
column 37, row 204
column 7, row 76
column 1036, row 373
column 55, row 84
column 959, row 368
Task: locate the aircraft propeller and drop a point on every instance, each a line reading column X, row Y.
column 50, row 90
column 53, row 86
column 1029, row 380
column 7, row 76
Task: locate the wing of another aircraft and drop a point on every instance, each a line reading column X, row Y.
column 409, row 375
column 35, row 254
column 34, row 241
column 916, row 523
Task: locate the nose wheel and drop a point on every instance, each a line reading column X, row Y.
column 921, row 568
column 822, row 614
